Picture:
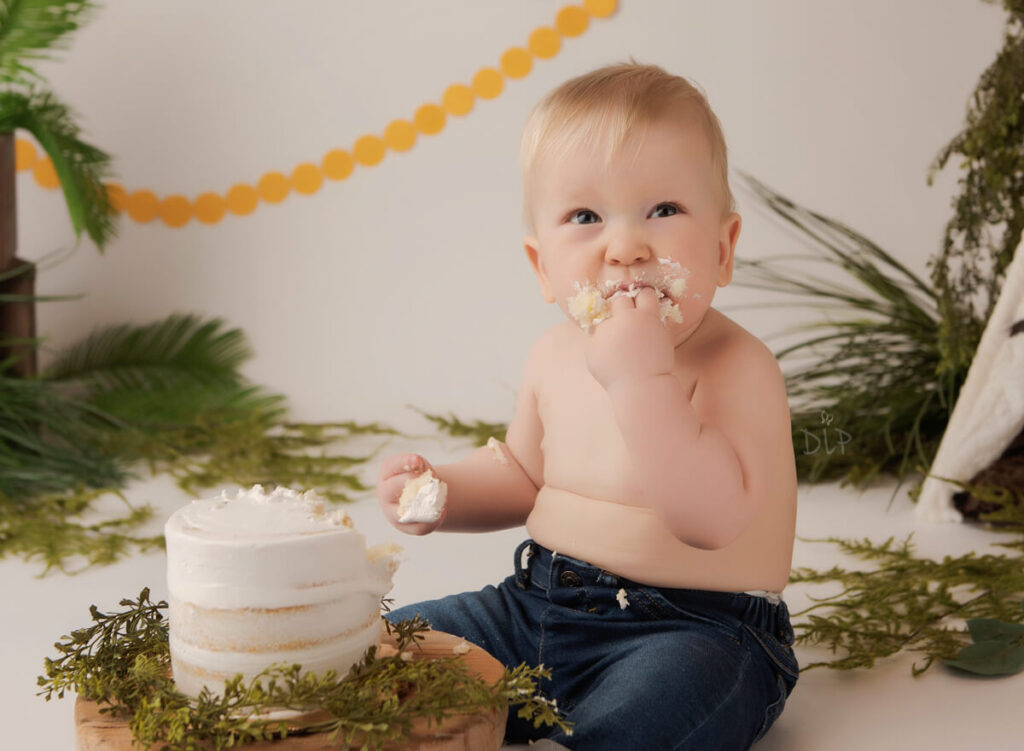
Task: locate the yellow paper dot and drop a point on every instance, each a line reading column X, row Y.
column 175, row 211
column 516, row 62
column 142, row 206
column 117, row 197
column 368, row 150
column 242, row 199
column 429, row 119
column 487, row 83
column 457, row 99
column 45, row 174
column 545, row 43
column 307, row 178
column 338, row 164
column 400, row 135
column 25, row 155
column 209, row 208
column 273, row 187
column 600, row 8
column 571, row 21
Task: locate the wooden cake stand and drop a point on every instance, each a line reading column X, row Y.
column 465, row 732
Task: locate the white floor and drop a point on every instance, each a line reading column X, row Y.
column 884, row 708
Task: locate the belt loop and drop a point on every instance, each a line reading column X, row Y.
column 525, row 550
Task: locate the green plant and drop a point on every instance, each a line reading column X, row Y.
column 990, row 201
column 122, row 661
column 29, row 30
column 872, row 366
column 168, row 395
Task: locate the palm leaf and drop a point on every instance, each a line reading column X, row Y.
column 82, row 169
column 175, row 405
column 48, row 442
column 180, row 352
column 28, row 28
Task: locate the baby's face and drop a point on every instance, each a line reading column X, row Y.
column 652, row 218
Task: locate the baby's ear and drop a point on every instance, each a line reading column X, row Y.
column 532, row 248
column 728, row 234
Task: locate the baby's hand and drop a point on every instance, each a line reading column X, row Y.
column 395, row 471
column 632, row 344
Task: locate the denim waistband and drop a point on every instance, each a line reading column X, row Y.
column 547, row 570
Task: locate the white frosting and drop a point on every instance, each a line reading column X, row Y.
column 423, row 499
column 495, row 446
column 590, row 306
column 258, row 579
column 623, row 600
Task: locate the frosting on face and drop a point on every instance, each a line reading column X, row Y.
column 592, row 303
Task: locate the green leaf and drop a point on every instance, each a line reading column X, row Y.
column 993, row 657
column 81, row 168
column 989, row 629
column 178, row 352
column 28, row 28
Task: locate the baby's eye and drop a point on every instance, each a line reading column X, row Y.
column 583, row 216
column 666, row 209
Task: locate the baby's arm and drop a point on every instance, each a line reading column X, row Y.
column 492, row 488
column 707, row 474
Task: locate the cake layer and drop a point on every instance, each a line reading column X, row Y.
column 194, row 667
column 254, row 630
column 220, row 555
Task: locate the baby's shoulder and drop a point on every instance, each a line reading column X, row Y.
column 728, row 345
column 738, row 364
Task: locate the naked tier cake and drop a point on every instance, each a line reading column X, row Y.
column 257, row 579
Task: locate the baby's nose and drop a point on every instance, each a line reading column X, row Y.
column 627, row 247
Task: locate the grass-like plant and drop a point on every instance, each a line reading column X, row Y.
column 866, row 377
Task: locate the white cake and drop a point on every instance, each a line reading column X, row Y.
column 258, row 579
column 423, row 499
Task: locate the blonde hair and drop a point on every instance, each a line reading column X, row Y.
column 608, row 106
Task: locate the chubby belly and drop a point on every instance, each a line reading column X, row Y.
column 633, row 542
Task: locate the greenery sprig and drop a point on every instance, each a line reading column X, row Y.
column 122, row 662
column 906, row 603
column 477, row 431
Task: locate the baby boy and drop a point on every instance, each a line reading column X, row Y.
column 650, row 454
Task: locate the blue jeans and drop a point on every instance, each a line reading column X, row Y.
column 673, row 669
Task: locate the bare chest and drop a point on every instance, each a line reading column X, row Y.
column 583, row 449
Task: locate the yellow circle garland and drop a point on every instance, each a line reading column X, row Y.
column 144, row 206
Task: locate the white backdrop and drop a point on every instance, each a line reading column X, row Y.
column 407, row 283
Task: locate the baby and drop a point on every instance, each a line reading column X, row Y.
column 650, row 454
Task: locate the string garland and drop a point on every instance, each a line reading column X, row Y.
column 210, row 207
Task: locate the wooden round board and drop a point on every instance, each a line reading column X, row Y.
column 476, row 732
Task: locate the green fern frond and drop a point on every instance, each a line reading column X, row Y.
column 30, row 28
column 82, row 169
column 180, row 352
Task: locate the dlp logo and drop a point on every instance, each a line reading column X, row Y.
column 837, row 440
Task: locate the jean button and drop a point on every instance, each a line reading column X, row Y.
column 570, row 579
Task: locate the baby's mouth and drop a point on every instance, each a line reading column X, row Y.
column 630, row 289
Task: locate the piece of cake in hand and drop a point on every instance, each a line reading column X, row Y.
column 257, row 579
column 422, row 499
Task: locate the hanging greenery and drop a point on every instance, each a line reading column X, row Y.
column 990, row 152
